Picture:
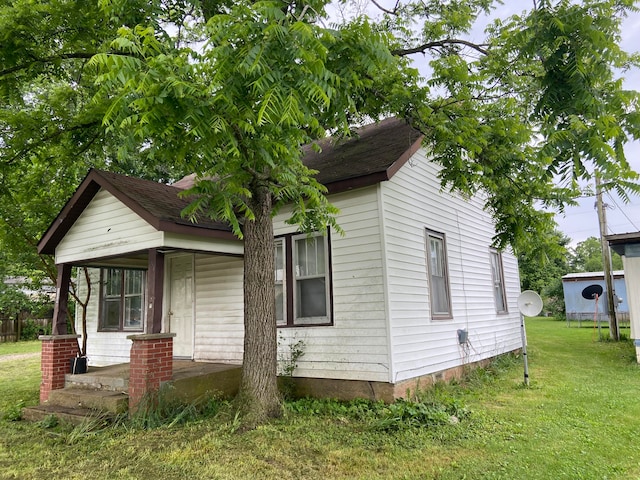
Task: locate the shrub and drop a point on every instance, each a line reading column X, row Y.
column 31, row 329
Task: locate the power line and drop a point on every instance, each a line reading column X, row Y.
column 622, row 211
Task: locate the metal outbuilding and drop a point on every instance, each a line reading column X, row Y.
column 582, row 309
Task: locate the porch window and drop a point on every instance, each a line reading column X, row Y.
column 303, row 280
column 497, row 276
column 438, row 275
column 122, row 298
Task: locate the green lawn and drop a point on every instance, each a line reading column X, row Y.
column 9, row 348
column 579, row 419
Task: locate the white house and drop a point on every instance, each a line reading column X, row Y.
column 411, row 292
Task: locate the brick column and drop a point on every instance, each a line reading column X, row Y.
column 151, row 364
column 57, row 352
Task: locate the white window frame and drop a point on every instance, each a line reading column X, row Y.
column 497, row 281
column 298, row 277
column 440, row 237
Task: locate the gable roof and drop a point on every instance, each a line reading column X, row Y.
column 158, row 204
column 375, row 155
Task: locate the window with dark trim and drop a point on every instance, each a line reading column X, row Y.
column 497, row 277
column 438, row 275
column 303, row 280
column 121, row 299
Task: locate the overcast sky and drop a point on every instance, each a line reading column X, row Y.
column 581, row 222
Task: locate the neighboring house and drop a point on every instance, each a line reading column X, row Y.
column 24, row 285
column 378, row 308
column 582, row 309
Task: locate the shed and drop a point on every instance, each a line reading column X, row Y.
column 581, row 309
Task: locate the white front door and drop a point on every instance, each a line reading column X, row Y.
column 181, row 305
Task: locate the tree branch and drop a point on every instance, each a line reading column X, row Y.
column 51, row 136
column 63, row 56
column 390, row 12
column 401, row 52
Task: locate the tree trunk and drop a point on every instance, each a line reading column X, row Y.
column 259, row 398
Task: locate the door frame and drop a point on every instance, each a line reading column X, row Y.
column 166, row 307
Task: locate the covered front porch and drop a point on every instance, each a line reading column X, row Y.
column 139, row 260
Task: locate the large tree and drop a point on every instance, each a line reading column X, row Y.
column 587, row 257
column 232, row 90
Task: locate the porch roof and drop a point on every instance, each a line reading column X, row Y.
column 158, row 204
column 374, row 155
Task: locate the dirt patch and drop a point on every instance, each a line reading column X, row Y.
column 18, row 356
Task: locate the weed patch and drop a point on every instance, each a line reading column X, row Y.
column 165, row 409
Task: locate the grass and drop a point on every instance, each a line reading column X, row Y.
column 580, row 418
column 9, row 348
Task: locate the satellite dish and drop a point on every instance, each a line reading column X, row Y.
column 529, row 303
column 591, row 291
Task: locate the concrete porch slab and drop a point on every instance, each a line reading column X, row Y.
column 190, row 379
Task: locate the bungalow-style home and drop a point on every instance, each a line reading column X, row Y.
column 411, row 292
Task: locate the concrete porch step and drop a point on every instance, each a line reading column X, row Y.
column 114, row 378
column 98, row 400
column 74, row 416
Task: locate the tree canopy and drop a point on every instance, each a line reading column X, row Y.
column 232, row 90
column 587, row 257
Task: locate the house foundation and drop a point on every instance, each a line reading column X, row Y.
column 387, row 392
column 55, row 361
column 151, row 364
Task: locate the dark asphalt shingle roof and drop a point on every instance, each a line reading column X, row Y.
column 376, row 148
column 374, row 155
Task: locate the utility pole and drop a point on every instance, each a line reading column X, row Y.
column 606, row 262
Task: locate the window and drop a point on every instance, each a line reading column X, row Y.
column 281, row 306
column 497, row 276
column 438, row 275
column 302, row 280
column 122, row 298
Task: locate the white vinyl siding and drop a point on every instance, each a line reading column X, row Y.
column 382, row 327
column 202, row 244
column 219, row 324
column 355, row 347
column 412, row 202
column 106, row 228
